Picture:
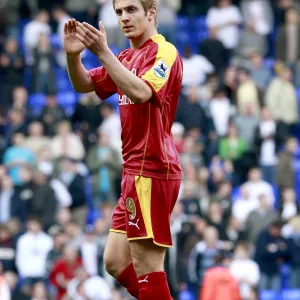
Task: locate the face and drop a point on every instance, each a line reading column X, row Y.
column 11, row 46
column 18, row 139
column 255, row 175
column 292, row 17
column 36, row 129
column 6, row 183
column 292, row 145
column 132, row 18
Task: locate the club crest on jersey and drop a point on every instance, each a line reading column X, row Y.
column 161, row 69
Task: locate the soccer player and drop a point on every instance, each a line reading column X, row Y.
column 148, row 79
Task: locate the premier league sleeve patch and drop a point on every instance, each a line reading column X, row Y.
column 161, row 69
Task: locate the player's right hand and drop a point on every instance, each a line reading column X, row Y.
column 72, row 45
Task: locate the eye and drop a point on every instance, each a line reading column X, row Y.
column 132, row 9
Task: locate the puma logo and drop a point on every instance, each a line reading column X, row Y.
column 134, row 224
column 144, row 280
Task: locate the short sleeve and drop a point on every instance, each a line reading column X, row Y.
column 104, row 85
column 161, row 71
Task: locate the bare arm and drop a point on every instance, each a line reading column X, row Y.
column 79, row 76
column 132, row 86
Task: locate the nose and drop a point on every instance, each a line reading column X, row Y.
column 125, row 18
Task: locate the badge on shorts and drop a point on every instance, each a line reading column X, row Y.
column 130, row 205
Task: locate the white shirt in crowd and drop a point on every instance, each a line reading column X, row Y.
column 5, row 204
column 243, row 207
column 62, row 195
column 4, row 290
column 89, row 251
column 220, row 110
column 246, row 272
column 195, row 70
column 32, row 251
column 268, row 148
column 107, row 14
column 97, row 288
column 227, row 34
column 256, row 189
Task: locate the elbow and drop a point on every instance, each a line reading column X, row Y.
column 141, row 97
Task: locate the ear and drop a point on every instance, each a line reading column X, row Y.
column 152, row 13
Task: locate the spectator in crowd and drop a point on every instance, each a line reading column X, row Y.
column 226, row 18
column 230, row 82
column 223, row 196
column 4, row 288
column 220, row 110
column 244, row 205
column 31, row 253
column 36, row 139
column 17, row 157
column 244, row 269
column 16, row 293
column 260, row 218
column 285, row 173
column 16, row 122
column 289, row 206
column 195, row 68
column 287, row 47
column 104, row 165
column 64, row 270
column 218, row 283
column 267, row 142
column 281, row 99
column 66, row 143
column 12, row 69
column 202, row 255
column 246, row 124
column 75, row 184
column 259, row 72
column 80, row 10
column 51, row 115
column 214, row 50
column 43, row 77
column 271, row 251
column 39, row 291
column 293, row 246
column 61, row 17
column 111, row 125
column 32, row 31
column 247, row 92
column 87, row 118
column 7, row 249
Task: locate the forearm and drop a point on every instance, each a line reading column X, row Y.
column 79, row 76
column 131, row 85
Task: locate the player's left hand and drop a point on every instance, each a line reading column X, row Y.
column 95, row 40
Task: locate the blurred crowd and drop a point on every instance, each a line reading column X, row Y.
column 236, row 131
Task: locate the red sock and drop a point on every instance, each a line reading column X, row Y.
column 128, row 279
column 154, row 286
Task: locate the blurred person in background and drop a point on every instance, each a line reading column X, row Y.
column 294, row 247
column 289, row 207
column 36, row 139
column 218, row 283
column 220, row 111
column 31, row 253
column 285, row 172
column 287, row 45
column 216, row 217
column 66, row 144
column 64, row 270
column 256, row 186
column 214, row 50
column 271, row 251
column 281, row 100
column 16, row 122
column 75, row 184
column 12, row 279
column 51, row 115
column 267, row 143
column 4, row 287
column 12, row 69
column 17, row 157
column 103, row 163
column 195, row 68
column 246, row 124
column 260, row 218
column 223, row 196
column 7, row 249
column 244, row 269
column 260, row 73
column 87, row 118
column 43, row 76
column 39, row 291
column 32, row 30
column 247, row 92
column 226, row 18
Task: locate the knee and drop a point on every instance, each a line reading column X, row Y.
column 110, row 264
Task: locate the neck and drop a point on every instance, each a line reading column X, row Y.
column 139, row 41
